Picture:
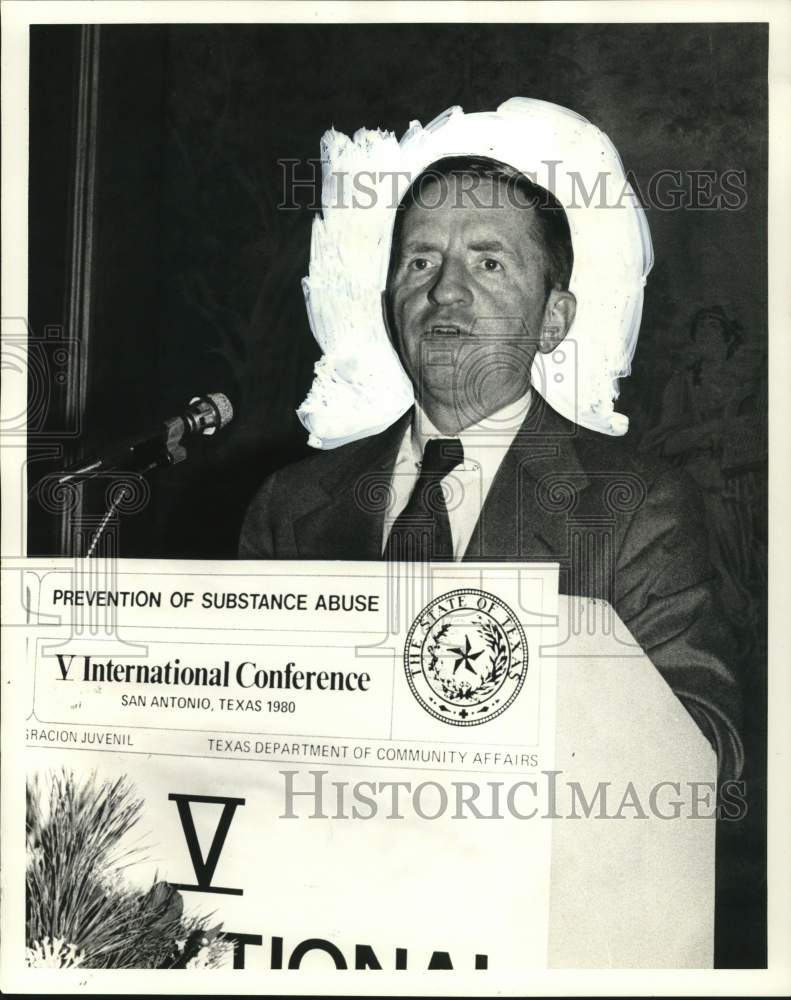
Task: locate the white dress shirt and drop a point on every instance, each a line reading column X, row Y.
column 467, row 486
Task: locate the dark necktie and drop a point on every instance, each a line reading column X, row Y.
column 422, row 529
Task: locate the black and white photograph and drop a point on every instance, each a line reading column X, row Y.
column 390, row 402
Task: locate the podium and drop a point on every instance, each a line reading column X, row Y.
column 593, row 841
column 632, row 893
column 578, row 891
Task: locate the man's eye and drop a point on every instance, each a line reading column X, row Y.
column 419, row 264
column 490, row 264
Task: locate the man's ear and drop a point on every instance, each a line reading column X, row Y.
column 559, row 314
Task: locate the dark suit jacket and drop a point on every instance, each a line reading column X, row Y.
column 624, row 527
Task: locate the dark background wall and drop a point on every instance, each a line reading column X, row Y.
column 196, row 275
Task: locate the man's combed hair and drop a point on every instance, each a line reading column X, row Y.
column 513, row 188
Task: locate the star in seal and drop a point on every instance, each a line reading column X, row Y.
column 466, row 657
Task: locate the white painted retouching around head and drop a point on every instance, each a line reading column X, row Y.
column 360, row 387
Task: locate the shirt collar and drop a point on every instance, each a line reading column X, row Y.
column 490, row 437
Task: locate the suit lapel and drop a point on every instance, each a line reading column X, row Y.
column 348, row 519
column 525, row 515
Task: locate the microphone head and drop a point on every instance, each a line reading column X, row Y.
column 224, row 408
column 207, row 414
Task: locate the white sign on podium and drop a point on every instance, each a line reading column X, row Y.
column 360, row 768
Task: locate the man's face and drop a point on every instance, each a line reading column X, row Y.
column 467, row 296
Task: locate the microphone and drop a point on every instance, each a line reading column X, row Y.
column 205, row 415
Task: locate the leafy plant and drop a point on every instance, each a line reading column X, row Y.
column 80, row 910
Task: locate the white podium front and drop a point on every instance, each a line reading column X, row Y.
column 630, row 893
column 571, row 827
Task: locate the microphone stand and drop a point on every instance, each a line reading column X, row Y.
column 162, row 450
column 204, row 415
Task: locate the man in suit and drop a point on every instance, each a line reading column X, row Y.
column 483, row 468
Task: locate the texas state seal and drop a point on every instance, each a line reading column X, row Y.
column 466, row 657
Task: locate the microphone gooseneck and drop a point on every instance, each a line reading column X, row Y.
column 204, row 416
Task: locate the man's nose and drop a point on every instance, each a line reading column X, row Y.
column 451, row 286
